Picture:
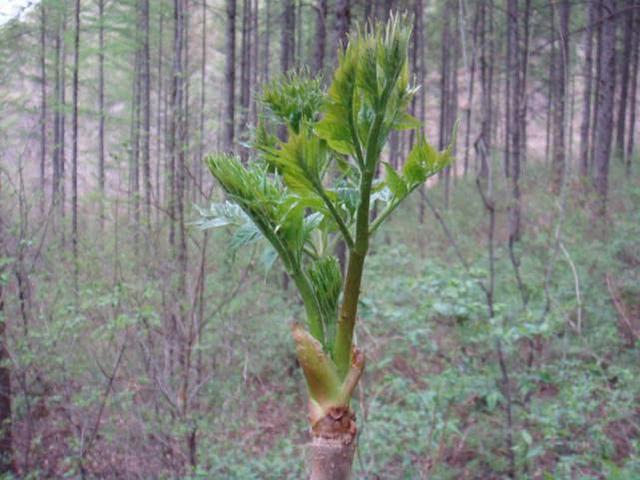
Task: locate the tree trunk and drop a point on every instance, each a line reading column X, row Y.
column 134, row 157
column 287, row 38
column 101, row 176
column 255, row 64
column 146, row 111
column 634, row 88
column 483, row 143
column 625, row 62
column 6, row 424
column 43, row 107
column 267, row 39
column 588, row 82
column 594, row 128
column 513, row 122
column 203, row 76
column 605, row 100
column 74, row 155
column 343, row 21
column 320, row 37
column 245, row 75
column 560, row 98
column 470, row 85
column 230, row 76
column 159, row 113
column 524, row 64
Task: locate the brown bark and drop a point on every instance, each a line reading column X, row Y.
column 203, row 76
column 605, row 100
column 58, row 187
column 159, row 112
column 524, row 64
column 287, row 39
column 470, row 86
column 74, row 154
column 588, row 82
column 482, row 145
column 245, row 75
column 598, row 61
column 255, row 64
column 634, row 88
column 513, row 121
column 43, row 106
column 267, row 39
column 230, row 76
column 146, row 111
column 343, row 21
column 560, row 98
column 625, row 62
column 101, row 176
column 7, row 465
column 321, row 36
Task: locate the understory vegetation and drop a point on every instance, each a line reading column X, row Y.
column 430, row 403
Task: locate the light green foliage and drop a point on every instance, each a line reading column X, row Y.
column 293, row 99
column 289, row 195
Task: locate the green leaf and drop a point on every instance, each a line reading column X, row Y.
column 294, row 98
column 407, row 122
column 247, row 234
column 326, row 278
column 220, row 215
column 395, row 183
column 423, row 162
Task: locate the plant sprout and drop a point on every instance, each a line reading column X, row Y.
column 316, row 187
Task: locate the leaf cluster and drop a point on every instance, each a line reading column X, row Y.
column 315, row 185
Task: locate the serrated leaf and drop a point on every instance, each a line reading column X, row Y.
column 268, row 258
column 395, row 183
column 407, row 122
column 423, row 162
column 247, row 234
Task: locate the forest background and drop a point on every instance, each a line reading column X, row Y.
column 500, row 311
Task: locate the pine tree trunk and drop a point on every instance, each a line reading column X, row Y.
column 524, row 64
column 43, row 107
column 245, row 75
column 101, row 175
column 287, row 38
column 625, row 61
column 203, row 76
column 6, row 424
column 560, row 98
column 483, row 143
column 470, row 85
column 159, row 113
column 635, row 66
column 605, row 101
column 74, row 155
column 588, row 82
column 320, row 37
column 255, row 64
column 513, row 122
column 266, row 50
column 146, row 111
column 599, row 19
column 230, row 76
column 343, row 21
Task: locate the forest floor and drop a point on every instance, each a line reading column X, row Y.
column 432, row 402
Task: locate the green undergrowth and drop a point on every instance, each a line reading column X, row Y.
column 430, row 403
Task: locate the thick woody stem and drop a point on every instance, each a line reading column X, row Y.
column 330, row 459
